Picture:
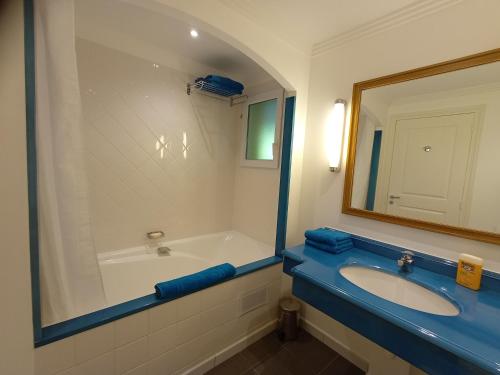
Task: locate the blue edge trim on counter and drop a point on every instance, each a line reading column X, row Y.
column 462, row 344
column 46, row 335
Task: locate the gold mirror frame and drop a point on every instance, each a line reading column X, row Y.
column 427, row 71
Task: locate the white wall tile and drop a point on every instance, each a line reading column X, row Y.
column 163, row 364
column 218, row 294
column 255, row 318
column 153, row 342
column 140, row 370
column 162, row 341
column 55, row 357
column 131, row 328
column 186, row 354
column 131, row 107
column 201, row 368
column 189, row 305
column 188, row 329
column 92, row 343
column 259, row 278
column 208, row 343
column 162, row 315
column 228, row 333
column 102, row 365
column 131, row 355
column 219, row 315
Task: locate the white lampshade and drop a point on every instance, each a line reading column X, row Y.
column 335, row 134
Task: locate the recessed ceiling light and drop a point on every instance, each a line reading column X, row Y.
column 194, row 33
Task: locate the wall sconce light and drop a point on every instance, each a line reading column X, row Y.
column 335, row 134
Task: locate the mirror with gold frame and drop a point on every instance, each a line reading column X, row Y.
column 424, row 148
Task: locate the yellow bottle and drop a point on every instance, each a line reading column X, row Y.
column 469, row 271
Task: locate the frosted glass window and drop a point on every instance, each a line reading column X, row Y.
column 261, row 129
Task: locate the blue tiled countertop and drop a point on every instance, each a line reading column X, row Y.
column 473, row 335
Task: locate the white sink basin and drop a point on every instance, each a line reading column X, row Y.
column 398, row 290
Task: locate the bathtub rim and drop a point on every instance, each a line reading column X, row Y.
column 70, row 327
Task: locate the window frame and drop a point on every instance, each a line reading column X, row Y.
column 259, row 98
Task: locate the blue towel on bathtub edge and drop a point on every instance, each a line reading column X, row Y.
column 194, row 282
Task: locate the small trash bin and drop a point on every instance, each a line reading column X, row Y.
column 289, row 319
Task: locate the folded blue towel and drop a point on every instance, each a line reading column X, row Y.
column 329, row 248
column 327, row 236
column 197, row 281
column 225, row 82
column 329, row 240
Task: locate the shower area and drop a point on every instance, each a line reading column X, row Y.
column 146, row 172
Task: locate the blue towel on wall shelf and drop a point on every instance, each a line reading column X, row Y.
column 220, row 85
column 329, row 240
column 192, row 283
column 225, row 82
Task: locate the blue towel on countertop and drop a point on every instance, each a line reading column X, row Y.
column 197, row 281
column 328, row 240
column 328, row 248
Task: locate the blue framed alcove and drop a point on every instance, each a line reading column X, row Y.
column 48, row 334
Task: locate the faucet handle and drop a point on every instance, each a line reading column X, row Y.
column 406, row 259
column 155, row 235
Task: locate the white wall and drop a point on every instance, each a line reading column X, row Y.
column 16, row 347
column 467, row 28
column 128, row 105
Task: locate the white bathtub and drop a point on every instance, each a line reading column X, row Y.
column 133, row 272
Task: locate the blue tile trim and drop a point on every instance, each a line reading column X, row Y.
column 372, row 180
column 95, row 319
column 29, row 71
column 284, row 189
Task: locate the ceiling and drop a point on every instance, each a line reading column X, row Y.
column 305, row 23
column 312, row 26
column 166, row 33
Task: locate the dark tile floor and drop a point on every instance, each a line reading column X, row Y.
column 270, row 356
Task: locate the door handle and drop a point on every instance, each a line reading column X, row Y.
column 394, row 196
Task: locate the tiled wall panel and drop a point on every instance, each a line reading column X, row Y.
column 167, row 339
column 157, row 158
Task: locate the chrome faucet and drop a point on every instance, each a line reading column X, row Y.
column 406, row 261
column 155, row 237
column 164, row 250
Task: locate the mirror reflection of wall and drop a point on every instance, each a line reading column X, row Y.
column 426, row 149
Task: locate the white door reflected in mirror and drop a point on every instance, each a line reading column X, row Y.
column 426, row 149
